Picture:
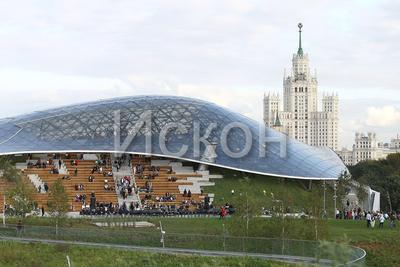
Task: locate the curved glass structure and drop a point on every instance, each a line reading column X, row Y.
column 92, row 127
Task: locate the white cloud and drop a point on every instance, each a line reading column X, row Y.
column 47, row 90
column 383, row 116
column 227, row 52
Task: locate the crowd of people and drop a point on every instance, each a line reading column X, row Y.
column 80, row 198
column 125, row 186
column 45, row 188
column 166, row 198
column 79, row 187
column 155, row 209
column 138, row 169
column 172, row 179
column 39, row 164
column 187, row 193
column 373, row 219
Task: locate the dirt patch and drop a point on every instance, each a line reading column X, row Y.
column 370, row 245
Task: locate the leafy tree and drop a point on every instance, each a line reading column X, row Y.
column 58, row 199
column 361, row 192
column 8, row 171
column 339, row 253
column 343, row 187
column 315, row 226
column 393, row 160
column 20, row 198
column 382, row 176
column 246, row 210
column 57, row 202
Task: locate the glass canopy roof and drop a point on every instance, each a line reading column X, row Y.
column 89, row 127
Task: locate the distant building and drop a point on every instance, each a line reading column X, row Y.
column 299, row 117
column 366, row 147
column 372, row 202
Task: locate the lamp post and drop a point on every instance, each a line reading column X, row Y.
column 324, row 185
column 162, row 236
column 247, row 215
column 247, row 210
column 334, row 197
column 4, row 210
column 283, row 220
column 223, row 235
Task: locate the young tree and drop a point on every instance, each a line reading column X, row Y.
column 361, row 192
column 20, row 197
column 343, row 187
column 8, row 172
column 315, row 226
column 57, row 203
column 247, row 208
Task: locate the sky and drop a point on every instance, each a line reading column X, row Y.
column 55, row 53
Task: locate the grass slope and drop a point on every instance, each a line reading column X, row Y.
column 382, row 245
column 296, row 192
column 55, row 255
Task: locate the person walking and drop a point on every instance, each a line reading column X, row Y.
column 368, row 218
column 381, row 220
column 19, row 227
column 373, row 220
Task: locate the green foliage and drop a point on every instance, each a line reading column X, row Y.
column 339, row 253
column 247, row 221
column 343, row 186
column 58, row 200
column 382, row 176
column 317, row 217
column 381, row 245
column 259, row 189
column 8, row 170
column 361, row 193
column 393, row 160
column 272, row 194
column 246, row 210
column 20, row 198
column 16, row 254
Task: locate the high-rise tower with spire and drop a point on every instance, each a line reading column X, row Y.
column 299, row 116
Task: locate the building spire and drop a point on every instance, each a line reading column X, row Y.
column 277, row 122
column 300, row 50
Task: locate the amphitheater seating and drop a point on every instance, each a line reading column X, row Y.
column 161, row 185
column 46, row 176
column 84, row 168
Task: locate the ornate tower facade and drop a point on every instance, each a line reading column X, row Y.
column 300, row 117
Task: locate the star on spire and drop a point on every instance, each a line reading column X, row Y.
column 300, row 50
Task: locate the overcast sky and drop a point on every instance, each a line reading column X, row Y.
column 54, row 53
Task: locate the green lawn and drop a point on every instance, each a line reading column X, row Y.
column 19, row 255
column 382, row 245
column 259, row 188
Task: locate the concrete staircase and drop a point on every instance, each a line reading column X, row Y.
column 36, row 181
column 61, row 170
column 198, row 182
column 125, row 170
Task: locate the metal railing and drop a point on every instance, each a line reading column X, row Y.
column 287, row 249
